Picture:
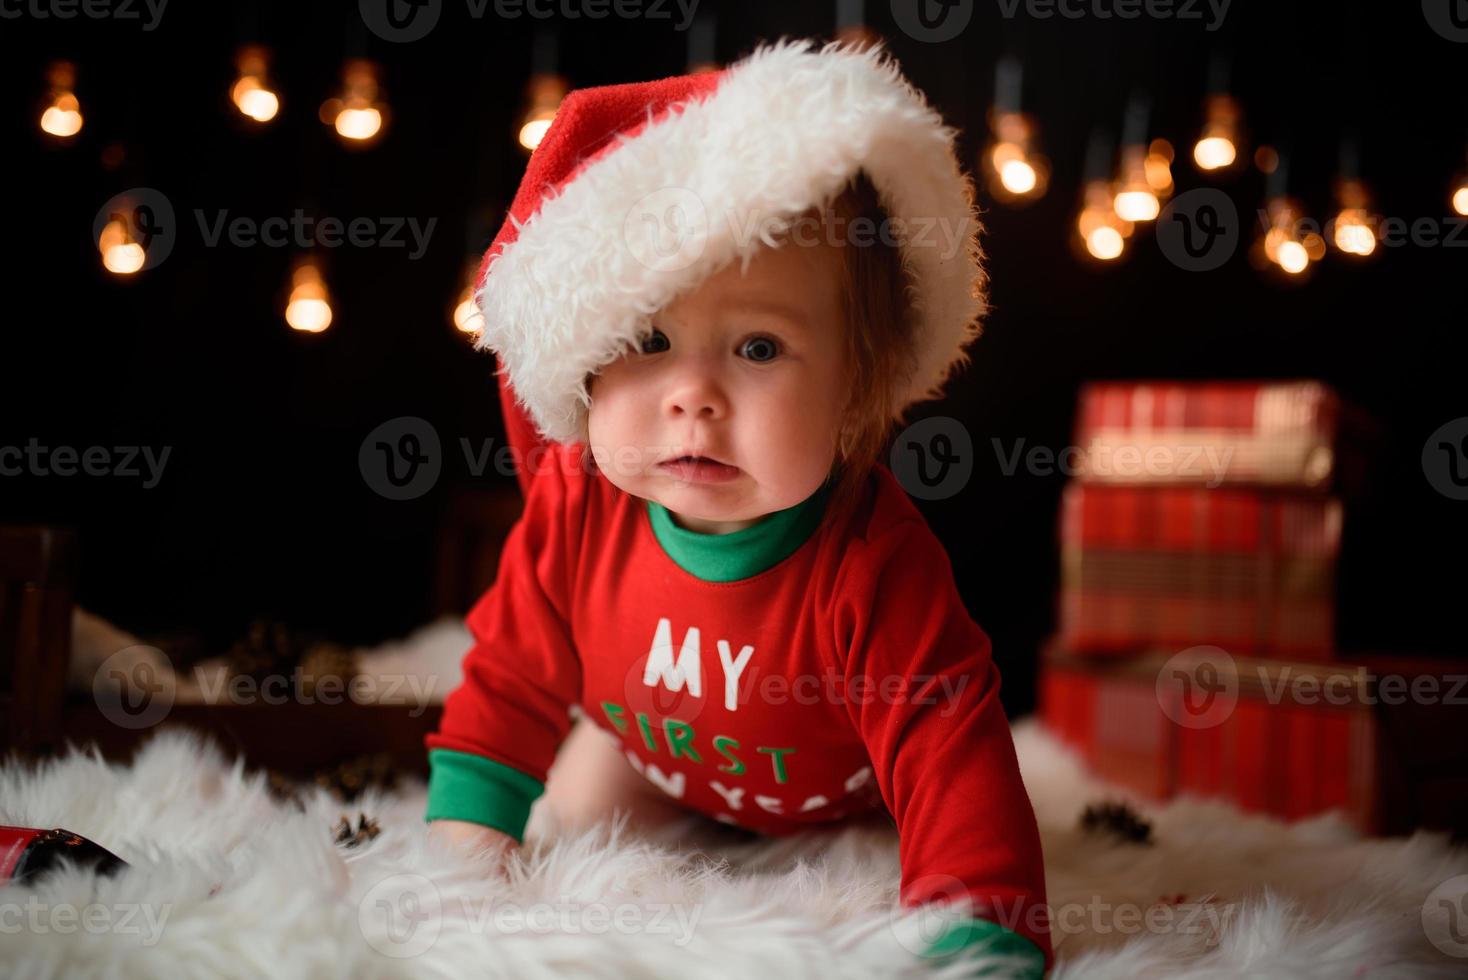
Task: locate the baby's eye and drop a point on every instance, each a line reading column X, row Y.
column 655, row 342
column 761, row 349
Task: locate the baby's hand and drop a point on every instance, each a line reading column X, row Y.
column 473, row 838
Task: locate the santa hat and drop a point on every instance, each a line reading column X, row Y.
column 639, row 192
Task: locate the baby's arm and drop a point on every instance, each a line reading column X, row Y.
column 941, row 748
column 491, row 755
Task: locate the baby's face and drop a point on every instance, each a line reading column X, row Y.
column 749, row 370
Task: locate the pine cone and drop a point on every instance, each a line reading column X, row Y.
column 283, row 789
column 1119, row 820
column 266, row 650
column 366, row 830
column 325, row 660
column 354, row 777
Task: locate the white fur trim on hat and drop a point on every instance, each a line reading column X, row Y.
column 782, row 133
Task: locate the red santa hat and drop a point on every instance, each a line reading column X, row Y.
column 639, row 192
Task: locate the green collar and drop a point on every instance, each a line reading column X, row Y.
column 744, row 553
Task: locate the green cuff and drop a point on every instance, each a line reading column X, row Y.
column 469, row 787
column 991, row 939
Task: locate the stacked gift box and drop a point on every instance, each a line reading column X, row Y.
column 1199, row 543
column 1202, row 513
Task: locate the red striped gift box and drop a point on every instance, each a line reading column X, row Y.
column 1277, row 746
column 1267, row 433
column 1250, row 570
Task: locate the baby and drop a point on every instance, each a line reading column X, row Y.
column 712, row 302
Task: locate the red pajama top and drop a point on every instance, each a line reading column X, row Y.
column 843, row 674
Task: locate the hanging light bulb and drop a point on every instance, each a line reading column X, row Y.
column 62, row 116
column 309, row 307
column 1016, row 170
column 1218, row 146
column 1102, row 232
column 466, row 316
column 357, row 115
column 122, row 254
column 1158, row 167
column 852, row 27
column 702, row 49
column 1354, row 229
column 1284, row 244
column 1460, row 194
column 1134, row 198
column 251, row 92
column 544, row 95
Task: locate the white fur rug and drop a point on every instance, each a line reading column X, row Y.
column 228, row 882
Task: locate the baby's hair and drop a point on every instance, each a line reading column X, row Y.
column 877, row 289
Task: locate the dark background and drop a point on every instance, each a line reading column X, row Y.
column 262, row 509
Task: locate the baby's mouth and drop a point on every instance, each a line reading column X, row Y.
column 697, row 468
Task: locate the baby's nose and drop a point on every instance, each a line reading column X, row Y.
column 697, row 394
